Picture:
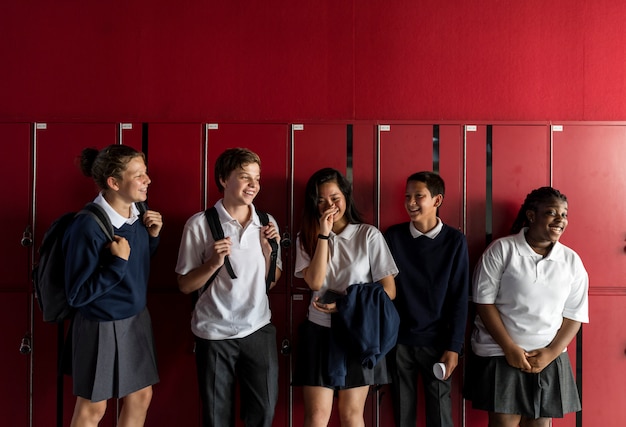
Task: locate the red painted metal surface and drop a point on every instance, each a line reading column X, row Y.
column 15, row 284
column 60, row 188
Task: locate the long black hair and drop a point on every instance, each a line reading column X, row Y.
column 311, row 215
column 532, row 202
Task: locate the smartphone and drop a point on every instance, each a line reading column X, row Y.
column 329, row 297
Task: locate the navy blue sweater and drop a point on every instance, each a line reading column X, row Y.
column 102, row 286
column 432, row 287
column 366, row 324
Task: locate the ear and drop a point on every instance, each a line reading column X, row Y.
column 530, row 216
column 438, row 200
column 223, row 182
column 112, row 183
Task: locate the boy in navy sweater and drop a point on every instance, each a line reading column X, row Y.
column 432, row 298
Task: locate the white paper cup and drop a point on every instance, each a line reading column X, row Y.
column 439, row 370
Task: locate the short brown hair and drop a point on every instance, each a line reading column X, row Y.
column 230, row 160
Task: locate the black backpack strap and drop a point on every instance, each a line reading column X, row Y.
column 142, row 207
column 217, row 232
column 271, row 274
column 101, row 217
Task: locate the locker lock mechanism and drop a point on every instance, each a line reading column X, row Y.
column 285, row 240
column 285, row 347
column 27, row 237
column 25, row 346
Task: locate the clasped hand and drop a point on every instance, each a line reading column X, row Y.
column 530, row 361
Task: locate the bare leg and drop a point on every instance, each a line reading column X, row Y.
column 538, row 422
column 504, row 420
column 351, row 406
column 135, row 408
column 318, row 405
column 88, row 413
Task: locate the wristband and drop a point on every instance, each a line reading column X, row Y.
column 322, row 237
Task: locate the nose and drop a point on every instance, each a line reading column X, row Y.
column 327, row 205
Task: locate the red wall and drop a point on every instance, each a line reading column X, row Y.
column 284, row 60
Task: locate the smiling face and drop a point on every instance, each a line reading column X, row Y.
column 421, row 205
column 331, row 197
column 134, row 182
column 548, row 222
column 242, row 184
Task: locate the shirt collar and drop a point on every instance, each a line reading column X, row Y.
column 524, row 249
column 347, row 232
column 116, row 219
column 431, row 234
column 226, row 218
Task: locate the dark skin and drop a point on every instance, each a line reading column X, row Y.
column 546, row 225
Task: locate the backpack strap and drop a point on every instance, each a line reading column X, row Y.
column 101, row 217
column 217, row 232
column 271, row 274
column 142, row 207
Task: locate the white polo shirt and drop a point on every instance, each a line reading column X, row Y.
column 533, row 294
column 229, row 308
column 359, row 254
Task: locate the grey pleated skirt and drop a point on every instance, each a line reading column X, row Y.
column 498, row 387
column 112, row 359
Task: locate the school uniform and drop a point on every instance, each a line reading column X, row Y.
column 432, row 299
column 235, row 339
column 532, row 294
column 358, row 255
column 113, row 351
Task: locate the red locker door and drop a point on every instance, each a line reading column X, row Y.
column 406, row 149
column 15, row 284
column 130, row 134
column 175, row 165
column 60, row 187
column 588, row 169
column 504, row 163
column 270, row 142
column 314, row 146
column 520, row 159
column 403, row 150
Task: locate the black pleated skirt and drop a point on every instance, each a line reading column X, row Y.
column 312, row 362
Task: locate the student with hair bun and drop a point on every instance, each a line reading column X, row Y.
column 113, row 353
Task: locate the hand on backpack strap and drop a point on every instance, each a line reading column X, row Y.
column 269, row 232
column 153, row 222
column 120, row 247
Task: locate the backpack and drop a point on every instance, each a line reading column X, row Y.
column 217, row 232
column 49, row 273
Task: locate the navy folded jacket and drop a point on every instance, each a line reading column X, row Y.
column 366, row 324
